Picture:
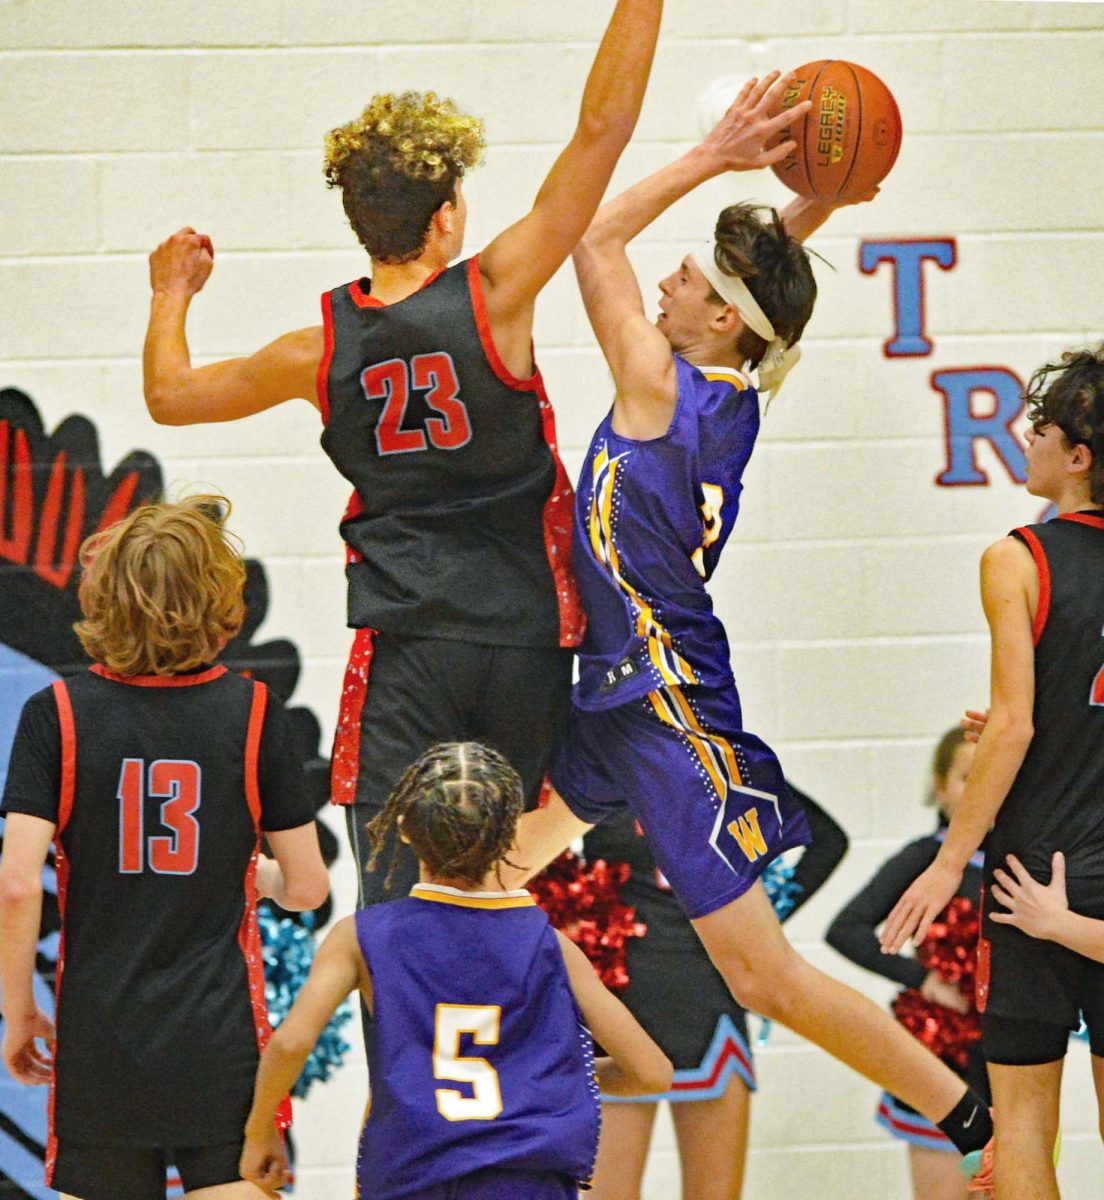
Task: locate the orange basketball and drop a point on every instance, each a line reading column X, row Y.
column 848, row 141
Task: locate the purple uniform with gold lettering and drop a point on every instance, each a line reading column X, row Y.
column 656, row 724
column 481, row 1068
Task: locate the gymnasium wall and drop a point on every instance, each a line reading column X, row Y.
column 850, row 585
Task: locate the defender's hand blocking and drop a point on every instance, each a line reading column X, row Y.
column 913, row 914
column 1035, row 909
column 22, row 1055
column 182, row 264
column 739, row 139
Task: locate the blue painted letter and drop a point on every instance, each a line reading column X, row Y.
column 965, row 428
column 908, row 259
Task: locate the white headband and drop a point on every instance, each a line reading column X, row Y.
column 779, row 358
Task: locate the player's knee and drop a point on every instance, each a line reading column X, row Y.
column 764, row 984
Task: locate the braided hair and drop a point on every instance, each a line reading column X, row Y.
column 1070, row 394
column 458, row 806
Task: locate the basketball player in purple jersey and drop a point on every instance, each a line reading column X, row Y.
column 154, row 774
column 483, row 1081
column 1037, row 782
column 656, row 722
column 459, row 527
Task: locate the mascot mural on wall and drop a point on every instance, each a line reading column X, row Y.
column 54, row 492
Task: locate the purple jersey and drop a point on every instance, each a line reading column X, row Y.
column 477, row 1051
column 651, row 519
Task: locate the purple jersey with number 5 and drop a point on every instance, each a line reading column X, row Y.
column 477, row 1052
column 651, row 519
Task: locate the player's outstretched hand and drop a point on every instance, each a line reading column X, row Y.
column 182, row 264
column 23, row 1056
column 264, row 1162
column 1035, row 909
column 973, row 723
column 740, row 138
column 913, row 914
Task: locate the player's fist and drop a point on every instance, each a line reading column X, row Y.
column 181, row 265
column 264, row 1162
column 25, row 1059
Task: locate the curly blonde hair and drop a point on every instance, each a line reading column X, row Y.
column 396, row 164
column 161, row 590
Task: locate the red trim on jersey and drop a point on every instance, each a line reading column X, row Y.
column 345, row 765
column 61, row 864
column 1043, row 568
column 322, row 380
column 982, row 974
column 559, row 507
column 731, row 1049
column 249, row 933
column 159, row 680
column 363, row 299
column 68, row 753
column 486, row 337
column 253, row 750
column 353, row 509
column 1083, row 518
column 558, row 521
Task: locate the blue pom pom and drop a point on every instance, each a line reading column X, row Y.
column 288, row 948
column 780, row 888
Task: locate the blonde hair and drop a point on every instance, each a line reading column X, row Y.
column 161, row 590
column 396, row 164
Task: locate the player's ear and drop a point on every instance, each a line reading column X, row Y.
column 402, row 836
column 1081, row 460
column 726, row 320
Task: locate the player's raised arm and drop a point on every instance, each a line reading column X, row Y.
column 636, row 1066
column 337, row 970
column 178, row 393
column 1009, row 594
column 638, row 353
column 521, row 260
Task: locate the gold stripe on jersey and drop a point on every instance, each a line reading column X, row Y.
column 672, row 667
column 442, row 895
column 714, row 752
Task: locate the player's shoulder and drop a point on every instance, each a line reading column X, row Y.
column 1011, row 554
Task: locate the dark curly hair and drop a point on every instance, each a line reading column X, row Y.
column 1070, row 394
column 397, row 164
column 775, row 267
column 458, row 806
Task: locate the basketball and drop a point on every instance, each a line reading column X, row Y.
column 848, row 141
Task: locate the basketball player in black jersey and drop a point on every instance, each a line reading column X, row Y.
column 154, row 774
column 459, row 526
column 1037, row 783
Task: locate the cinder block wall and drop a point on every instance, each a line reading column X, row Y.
column 850, row 586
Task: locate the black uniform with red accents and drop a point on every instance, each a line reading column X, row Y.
column 159, row 787
column 459, row 543
column 460, row 526
column 1057, row 799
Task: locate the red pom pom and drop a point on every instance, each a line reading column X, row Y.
column 950, row 949
column 584, row 902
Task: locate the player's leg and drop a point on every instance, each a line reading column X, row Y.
column 712, row 1140
column 542, row 835
column 523, row 701
column 935, row 1174
column 227, row 1191
column 765, row 973
column 211, row 1173
column 1098, row 1083
column 1025, row 1116
column 400, row 697
column 622, row 1151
